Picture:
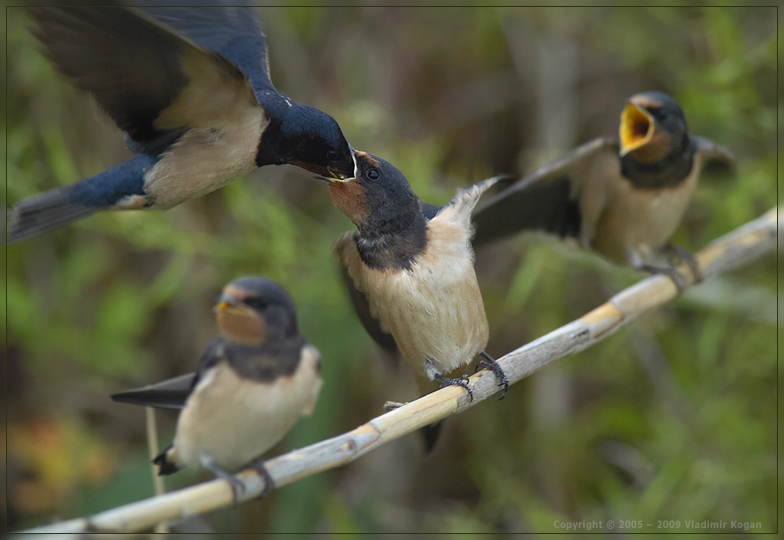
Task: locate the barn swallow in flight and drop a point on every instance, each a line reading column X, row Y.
column 622, row 198
column 254, row 382
column 410, row 275
column 190, row 87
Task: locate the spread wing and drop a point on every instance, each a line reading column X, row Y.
column 545, row 200
column 349, row 262
column 173, row 393
column 153, row 83
column 231, row 28
column 716, row 158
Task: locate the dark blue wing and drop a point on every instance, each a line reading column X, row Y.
column 145, row 75
column 233, row 31
column 173, row 393
column 429, row 210
column 168, row 394
column 544, row 200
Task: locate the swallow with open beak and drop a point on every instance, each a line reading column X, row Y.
column 254, row 382
column 411, row 277
column 621, row 198
column 190, row 88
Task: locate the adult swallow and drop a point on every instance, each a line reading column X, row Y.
column 254, row 382
column 410, row 275
column 190, row 88
column 622, row 198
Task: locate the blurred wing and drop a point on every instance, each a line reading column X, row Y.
column 234, row 31
column 168, row 394
column 545, row 200
column 346, row 251
column 153, row 83
column 716, row 158
column 214, row 353
column 173, row 393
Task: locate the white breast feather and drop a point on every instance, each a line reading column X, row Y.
column 235, row 420
column 434, row 310
column 662, row 213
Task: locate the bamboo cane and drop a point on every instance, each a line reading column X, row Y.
column 734, row 249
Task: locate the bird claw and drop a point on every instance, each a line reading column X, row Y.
column 668, row 271
column 237, row 485
column 493, row 366
column 462, row 381
column 684, row 256
column 269, row 484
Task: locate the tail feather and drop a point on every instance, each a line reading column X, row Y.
column 165, row 462
column 430, row 435
column 42, row 213
column 168, row 394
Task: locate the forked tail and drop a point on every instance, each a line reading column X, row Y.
column 165, row 462
column 53, row 209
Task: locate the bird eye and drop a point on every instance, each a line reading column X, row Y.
column 332, row 155
column 256, row 302
column 373, row 174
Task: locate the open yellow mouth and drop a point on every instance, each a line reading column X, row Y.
column 637, row 127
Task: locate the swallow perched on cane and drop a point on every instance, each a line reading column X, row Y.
column 254, row 382
column 621, row 198
column 411, row 277
column 190, row 88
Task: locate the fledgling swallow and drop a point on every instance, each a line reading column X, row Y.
column 621, row 198
column 411, row 277
column 254, row 382
column 190, row 88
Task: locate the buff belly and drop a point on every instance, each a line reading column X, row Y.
column 204, row 160
column 435, row 321
column 235, row 420
column 637, row 223
column 434, row 310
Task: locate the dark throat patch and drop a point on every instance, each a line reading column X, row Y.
column 395, row 248
column 266, row 362
column 668, row 172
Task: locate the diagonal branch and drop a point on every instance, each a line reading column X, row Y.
column 734, row 249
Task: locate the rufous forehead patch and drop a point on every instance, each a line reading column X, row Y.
column 236, row 292
column 373, row 161
column 645, row 102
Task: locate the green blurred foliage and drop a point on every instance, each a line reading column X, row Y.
column 671, row 419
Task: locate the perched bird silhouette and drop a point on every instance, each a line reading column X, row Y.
column 254, row 382
column 190, row 87
column 623, row 199
column 410, row 273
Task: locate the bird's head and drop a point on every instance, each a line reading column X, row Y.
column 308, row 138
column 378, row 200
column 652, row 126
column 254, row 311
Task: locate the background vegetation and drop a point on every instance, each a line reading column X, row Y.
column 673, row 419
